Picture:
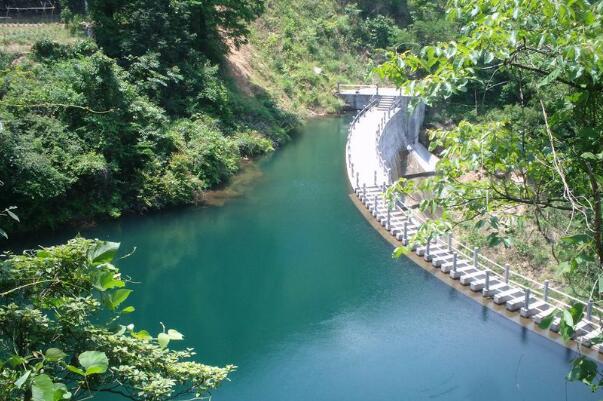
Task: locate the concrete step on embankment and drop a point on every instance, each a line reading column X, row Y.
column 441, row 256
column 503, row 296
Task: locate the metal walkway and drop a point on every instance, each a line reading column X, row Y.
column 369, row 175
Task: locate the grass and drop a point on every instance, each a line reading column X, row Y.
column 301, row 50
column 17, row 38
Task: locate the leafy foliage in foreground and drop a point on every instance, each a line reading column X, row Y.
column 64, row 332
column 537, row 157
column 542, row 153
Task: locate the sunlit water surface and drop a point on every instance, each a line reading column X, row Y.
column 290, row 283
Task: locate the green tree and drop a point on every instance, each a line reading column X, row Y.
column 64, row 332
column 544, row 153
column 538, row 158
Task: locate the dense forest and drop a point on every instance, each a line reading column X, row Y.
column 127, row 107
column 134, row 106
column 152, row 110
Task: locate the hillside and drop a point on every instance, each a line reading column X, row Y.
column 135, row 119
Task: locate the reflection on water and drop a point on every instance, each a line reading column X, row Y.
column 290, row 283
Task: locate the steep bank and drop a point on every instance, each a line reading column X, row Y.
column 142, row 119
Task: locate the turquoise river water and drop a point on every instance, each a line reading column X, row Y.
column 289, row 282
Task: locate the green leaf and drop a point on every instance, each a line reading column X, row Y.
column 141, row 335
column 577, row 312
column 105, row 280
column 568, row 318
column 42, row 389
column 102, row 252
column 399, row 251
column 21, row 380
column 94, row 362
column 128, row 309
column 592, row 156
column 174, row 335
column 15, row 361
column 114, row 299
column 163, row 340
column 546, row 322
column 583, row 370
column 61, row 392
column 54, row 354
column 75, row 370
column 13, row 215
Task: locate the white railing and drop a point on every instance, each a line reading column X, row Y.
column 357, row 88
column 555, row 297
column 348, row 155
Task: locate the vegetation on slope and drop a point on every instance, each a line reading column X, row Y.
column 536, row 153
column 146, row 115
column 95, row 128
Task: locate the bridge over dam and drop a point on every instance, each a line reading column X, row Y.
column 383, row 146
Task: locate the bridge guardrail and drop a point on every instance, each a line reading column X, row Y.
column 555, row 298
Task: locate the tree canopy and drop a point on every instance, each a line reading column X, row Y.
column 537, row 155
column 65, row 334
column 542, row 152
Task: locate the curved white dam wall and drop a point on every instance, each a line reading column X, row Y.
column 400, row 136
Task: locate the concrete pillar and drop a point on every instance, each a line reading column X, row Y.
column 487, row 281
column 589, row 310
column 428, row 248
column 454, row 261
column 389, row 211
column 375, row 177
column 546, row 291
column 526, row 301
column 449, row 242
column 364, row 190
column 507, row 272
column 405, row 234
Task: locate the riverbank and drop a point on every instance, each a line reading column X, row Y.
column 290, row 283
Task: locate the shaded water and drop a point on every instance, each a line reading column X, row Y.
column 290, row 283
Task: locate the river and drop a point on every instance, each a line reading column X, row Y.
column 289, row 282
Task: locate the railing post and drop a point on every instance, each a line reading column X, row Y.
column 546, row 291
column 377, row 89
column 375, row 204
column 526, row 300
column 364, row 191
column 475, row 253
column 449, row 242
column 589, row 310
column 428, row 248
column 375, row 177
column 384, row 186
column 487, row 281
column 507, row 271
column 357, row 180
column 389, row 211
column 454, row 261
column 405, row 234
